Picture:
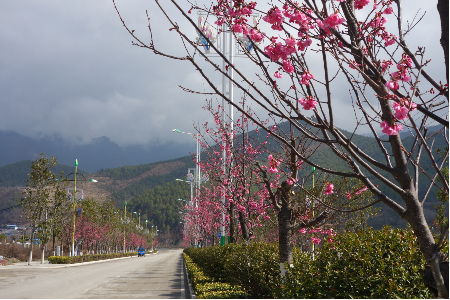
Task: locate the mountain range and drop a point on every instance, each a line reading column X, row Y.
column 151, row 189
column 99, row 153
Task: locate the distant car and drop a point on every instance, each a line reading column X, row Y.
column 141, row 251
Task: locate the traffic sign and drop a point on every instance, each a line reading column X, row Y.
column 219, row 234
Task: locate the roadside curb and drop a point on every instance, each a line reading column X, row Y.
column 187, row 282
column 58, row 266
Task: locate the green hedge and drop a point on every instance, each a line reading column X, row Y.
column 369, row 264
column 382, row 263
column 207, row 288
column 255, row 268
column 86, row 258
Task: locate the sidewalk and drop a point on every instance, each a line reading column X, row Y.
column 47, row 265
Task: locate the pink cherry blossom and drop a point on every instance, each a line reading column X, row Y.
column 315, row 240
column 329, row 189
column 306, row 77
column 278, row 75
column 390, row 130
column 402, row 109
column 333, row 21
column 401, row 112
column 303, row 44
column 392, row 85
column 308, row 103
column 291, row 42
column 348, row 195
column 255, row 35
column 359, row 191
column 303, row 230
column 359, row 4
column 390, row 40
column 388, row 11
column 287, row 67
column 274, row 17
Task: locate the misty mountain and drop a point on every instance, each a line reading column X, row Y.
column 100, row 153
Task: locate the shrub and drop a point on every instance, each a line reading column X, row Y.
column 368, row 264
column 86, row 258
column 254, row 267
column 21, row 253
column 206, row 288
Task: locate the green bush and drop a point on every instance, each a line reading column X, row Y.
column 371, row 264
column 207, row 288
column 86, row 258
column 254, row 267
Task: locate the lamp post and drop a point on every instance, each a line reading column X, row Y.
column 75, row 194
column 74, row 200
column 226, row 43
column 139, row 222
column 197, row 167
column 151, row 235
column 313, row 202
column 124, row 225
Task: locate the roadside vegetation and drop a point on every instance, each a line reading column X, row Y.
column 367, row 264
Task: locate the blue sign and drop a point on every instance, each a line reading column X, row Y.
column 219, row 234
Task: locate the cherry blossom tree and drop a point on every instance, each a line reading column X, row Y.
column 312, row 52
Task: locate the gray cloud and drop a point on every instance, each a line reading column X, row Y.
column 68, row 68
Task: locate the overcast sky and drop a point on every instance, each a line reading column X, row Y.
column 68, row 68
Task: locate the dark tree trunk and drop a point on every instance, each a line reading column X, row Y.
column 285, row 228
column 233, row 237
column 285, row 235
column 442, row 8
column 244, row 228
column 54, row 240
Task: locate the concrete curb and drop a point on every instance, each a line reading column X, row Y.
column 187, row 282
column 58, row 266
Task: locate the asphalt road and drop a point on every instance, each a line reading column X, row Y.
column 153, row 276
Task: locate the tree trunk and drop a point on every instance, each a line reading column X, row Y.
column 53, row 247
column 42, row 253
column 442, row 8
column 30, row 258
column 285, row 235
column 233, row 237
column 244, row 228
column 427, row 245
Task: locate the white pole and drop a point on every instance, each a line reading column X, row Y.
column 224, row 48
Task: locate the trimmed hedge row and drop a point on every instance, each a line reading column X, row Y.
column 369, row 264
column 255, row 268
column 207, row 288
column 86, row 258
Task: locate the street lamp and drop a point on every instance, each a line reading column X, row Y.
column 197, row 167
column 124, row 225
column 74, row 197
column 139, row 226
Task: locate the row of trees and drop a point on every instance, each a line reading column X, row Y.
column 313, row 51
column 91, row 225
